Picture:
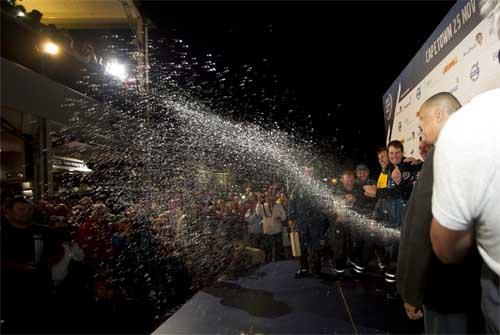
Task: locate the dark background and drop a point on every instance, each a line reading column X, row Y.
column 331, row 60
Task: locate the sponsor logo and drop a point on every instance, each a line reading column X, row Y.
column 408, row 104
column 451, row 64
column 400, row 110
column 454, row 89
column 479, row 38
column 469, row 49
column 419, row 93
column 388, row 107
column 474, row 72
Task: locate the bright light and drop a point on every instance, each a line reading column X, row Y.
column 21, row 14
column 116, row 69
column 50, row 48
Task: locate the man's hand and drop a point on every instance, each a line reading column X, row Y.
column 350, row 197
column 413, row 313
column 396, row 175
column 412, row 161
column 370, row 191
column 26, row 268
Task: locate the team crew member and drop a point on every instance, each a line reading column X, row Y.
column 391, row 205
column 424, row 282
column 467, row 209
column 311, row 223
column 362, row 246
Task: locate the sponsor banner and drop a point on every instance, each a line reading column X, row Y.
column 460, row 57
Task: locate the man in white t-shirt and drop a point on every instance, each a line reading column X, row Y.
column 466, row 194
column 273, row 216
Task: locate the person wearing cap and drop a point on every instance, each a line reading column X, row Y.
column 362, row 245
column 365, row 203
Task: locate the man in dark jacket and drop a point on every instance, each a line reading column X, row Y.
column 362, row 243
column 342, row 231
column 25, row 270
column 312, row 224
column 448, row 294
column 402, row 173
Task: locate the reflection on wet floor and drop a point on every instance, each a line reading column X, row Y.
column 275, row 302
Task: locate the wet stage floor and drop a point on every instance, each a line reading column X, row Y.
column 271, row 301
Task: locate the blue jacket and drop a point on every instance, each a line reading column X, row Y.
column 312, row 223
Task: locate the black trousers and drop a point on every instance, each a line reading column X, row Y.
column 310, row 259
column 341, row 245
column 273, row 247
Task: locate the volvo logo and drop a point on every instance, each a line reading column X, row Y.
column 388, row 107
column 474, row 72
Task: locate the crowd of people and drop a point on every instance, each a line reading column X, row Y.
column 84, row 264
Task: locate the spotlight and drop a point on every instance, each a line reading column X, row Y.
column 116, row 69
column 21, row 13
column 50, row 48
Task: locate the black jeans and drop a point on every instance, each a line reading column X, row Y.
column 490, row 299
column 273, row 247
column 341, row 246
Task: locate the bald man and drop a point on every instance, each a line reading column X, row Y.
column 447, row 296
column 466, row 211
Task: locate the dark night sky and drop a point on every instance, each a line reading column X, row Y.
column 335, row 58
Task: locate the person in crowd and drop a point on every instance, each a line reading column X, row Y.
column 80, row 212
column 466, row 211
column 381, row 203
column 396, row 184
column 25, row 269
column 446, row 294
column 342, row 230
column 273, row 215
column 365, row 204
column 307, row 218
column 362, row 243
column 400, row 185
column 120, row 232
column 94, row 238
column 254, row 223
column 35, row 18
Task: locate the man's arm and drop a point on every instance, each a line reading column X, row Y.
column 451, row 246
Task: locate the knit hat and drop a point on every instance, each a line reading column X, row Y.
column 362, row 167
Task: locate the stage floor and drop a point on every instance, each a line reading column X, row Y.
column 271, row 301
